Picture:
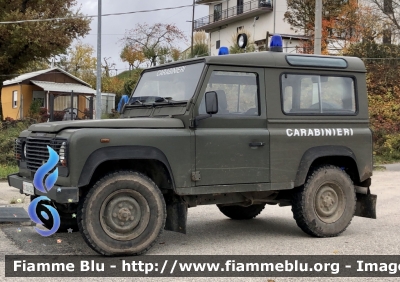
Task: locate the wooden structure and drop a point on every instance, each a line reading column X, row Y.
column 52, row 87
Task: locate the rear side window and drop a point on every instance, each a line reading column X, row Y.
column 317, row 94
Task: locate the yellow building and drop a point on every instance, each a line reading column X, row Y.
column 52, row 87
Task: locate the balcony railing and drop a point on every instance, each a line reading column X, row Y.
column 232, row 12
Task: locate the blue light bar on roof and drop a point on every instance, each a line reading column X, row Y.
column 276, row 44
column 223, row 51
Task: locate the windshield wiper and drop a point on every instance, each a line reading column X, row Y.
column 169, row 101
column 163, row 99
column 137, row 101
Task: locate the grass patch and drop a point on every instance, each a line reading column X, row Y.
column 379, row 168
column 6, row 170
column 385, row 159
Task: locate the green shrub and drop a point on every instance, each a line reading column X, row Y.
column 8, row 133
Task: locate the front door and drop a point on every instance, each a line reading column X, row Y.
column 232, row 147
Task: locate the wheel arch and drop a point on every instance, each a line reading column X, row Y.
column 145, row 159
column 340, row 156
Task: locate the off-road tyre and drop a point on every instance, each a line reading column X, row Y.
column 68, row 221
column 124, row 213
column 240, row 212
column 325, row 205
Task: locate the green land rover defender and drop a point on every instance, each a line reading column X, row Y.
column 237, row 131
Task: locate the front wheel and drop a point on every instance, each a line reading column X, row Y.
column 326, row 204
column 123, row 214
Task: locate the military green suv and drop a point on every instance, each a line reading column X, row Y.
column 237, row 131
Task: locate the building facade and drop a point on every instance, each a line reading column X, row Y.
column 51, row 87
column 261, row 18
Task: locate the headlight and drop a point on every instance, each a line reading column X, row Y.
column 62, row 152
column 24, row 149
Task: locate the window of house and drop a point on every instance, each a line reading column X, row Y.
column 217, row 12
column 40, row 96
column 317, row 94
column 14, row 99
column 218, row 44
column 237, row 93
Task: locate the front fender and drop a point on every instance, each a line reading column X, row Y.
column 121, row 153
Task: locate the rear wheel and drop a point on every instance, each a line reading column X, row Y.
column 123, row 214
column 240, row 212
column 325, row 205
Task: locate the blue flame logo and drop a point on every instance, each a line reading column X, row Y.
column 45, row 210
column 44, row 169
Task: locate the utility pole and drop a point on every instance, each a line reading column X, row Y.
column 318, row 27
column 98, row 84
column 192, row 27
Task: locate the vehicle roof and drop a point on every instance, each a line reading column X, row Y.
column 269, row 59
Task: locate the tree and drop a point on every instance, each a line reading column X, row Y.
column 301, row 16
column 107, row 67
column 357, row 23
column 301, row 13
column 175, row 54
column 80, row 61
column 390, row 9
column 133, row 57
column 154, row 41
column 23, row 43
column 200, row 44
column 37, row 65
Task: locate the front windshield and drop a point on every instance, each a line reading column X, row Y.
column 174, row 84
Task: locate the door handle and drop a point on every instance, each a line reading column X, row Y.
column 256, row 144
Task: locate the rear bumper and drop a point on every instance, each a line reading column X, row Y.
column 62, row 195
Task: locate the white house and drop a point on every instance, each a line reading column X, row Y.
column 262, row 18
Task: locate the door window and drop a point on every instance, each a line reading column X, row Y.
column 237, row 93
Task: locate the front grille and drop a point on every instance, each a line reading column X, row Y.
column 37, row 153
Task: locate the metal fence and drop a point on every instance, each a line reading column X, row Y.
column 232, row 12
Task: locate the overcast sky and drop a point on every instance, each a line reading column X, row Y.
column 114, row 27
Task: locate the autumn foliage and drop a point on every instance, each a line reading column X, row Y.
column 383, row 87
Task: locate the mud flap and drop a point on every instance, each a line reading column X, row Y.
column 176, row 217
column 366, row 205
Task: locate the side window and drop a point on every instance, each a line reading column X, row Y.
column 237, row 93
column 315, row 94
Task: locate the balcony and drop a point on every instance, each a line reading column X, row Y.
column 232, row 14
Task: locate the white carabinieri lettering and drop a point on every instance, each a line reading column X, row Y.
column 319, row 132
column 171, row 71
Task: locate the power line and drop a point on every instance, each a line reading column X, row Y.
column 95, row 16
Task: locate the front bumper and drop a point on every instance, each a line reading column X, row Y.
column 62, row 195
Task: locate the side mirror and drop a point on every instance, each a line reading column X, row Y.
column 211, row 102
column 211, row 99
